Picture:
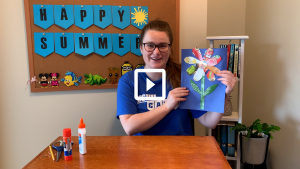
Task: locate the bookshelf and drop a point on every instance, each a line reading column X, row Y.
column 236, row 116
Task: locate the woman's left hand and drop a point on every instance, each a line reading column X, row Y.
column 227, row 79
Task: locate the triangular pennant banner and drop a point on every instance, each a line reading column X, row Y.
column 64, row 43
column 103, row 43
column 135, row 44
column 121, row 16
column 102, row 15
column 121, row 44
column 139, row 16
column 43, row 43
column 43, row 15
column 84, row 43
column 83, row 16
column 64, row 16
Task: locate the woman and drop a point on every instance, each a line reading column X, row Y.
column 161, row 118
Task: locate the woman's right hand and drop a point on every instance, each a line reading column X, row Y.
column 175, row 96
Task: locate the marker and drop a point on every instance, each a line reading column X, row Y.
column 51, row 152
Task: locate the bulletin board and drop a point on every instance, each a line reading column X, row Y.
column 167, row 10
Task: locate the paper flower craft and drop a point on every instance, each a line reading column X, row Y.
column 201, row 65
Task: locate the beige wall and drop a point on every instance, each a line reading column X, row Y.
column 30, row 121
column 193, row 25
column 271, row 79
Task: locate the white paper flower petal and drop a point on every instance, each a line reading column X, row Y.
column 191, row 60
column 199, row 74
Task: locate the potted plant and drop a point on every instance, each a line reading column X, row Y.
column 255, row 141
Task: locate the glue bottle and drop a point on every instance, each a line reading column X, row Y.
column 68, row 144
column 81, row 137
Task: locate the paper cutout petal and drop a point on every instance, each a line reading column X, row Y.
column 211, row 76
column 199, row 74
column 121, row 44
column 83, row 16
column 121, row 16
column 103, row 43
column 102, row 15
column 135, row 44
column 191, row 60
column 84, row 43
column 43, row 43
column 43, row 15
column 64, row 16
column 139, row 16
column 64, row 43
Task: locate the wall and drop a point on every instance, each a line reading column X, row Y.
column 193, row 33
column 30, row 121
column 271, row 80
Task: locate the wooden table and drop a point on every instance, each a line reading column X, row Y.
column 139, row 152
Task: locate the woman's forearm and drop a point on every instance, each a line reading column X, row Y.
column 140, row 122
column 211, row 119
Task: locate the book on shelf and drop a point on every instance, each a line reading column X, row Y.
column 239, row 66
column 224, row 138
column 236, row 59
column 231, row 140
column 231, row 58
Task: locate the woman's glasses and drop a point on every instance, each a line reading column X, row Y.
column 150, row 47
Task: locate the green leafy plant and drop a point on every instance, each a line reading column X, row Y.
column 256, row 128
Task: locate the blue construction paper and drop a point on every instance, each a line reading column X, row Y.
column 105, row 46
column 121, row 16
column 105, row 19
column 135, row 46
column 64, row 43
column 87, row 46
column 121, row 43
column 64, row 16
column 213, row 102
column 43, row 43
column 43, row 16
column 139, row 16
column 83, row 15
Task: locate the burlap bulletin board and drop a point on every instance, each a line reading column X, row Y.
column 167, row 10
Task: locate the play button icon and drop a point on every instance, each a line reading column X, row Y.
column 149, row 84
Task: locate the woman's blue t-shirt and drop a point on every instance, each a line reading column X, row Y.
column 176, row 122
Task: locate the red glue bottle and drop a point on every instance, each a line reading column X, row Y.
column 68, row 144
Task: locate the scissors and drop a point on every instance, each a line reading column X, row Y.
column 59, row 149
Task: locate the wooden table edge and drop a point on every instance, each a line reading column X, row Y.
column 41, row 153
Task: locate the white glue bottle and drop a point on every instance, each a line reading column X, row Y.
column 82, row 137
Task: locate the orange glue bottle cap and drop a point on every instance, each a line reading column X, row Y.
column 81, row 125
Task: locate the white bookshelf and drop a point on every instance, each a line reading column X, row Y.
column 236, row 116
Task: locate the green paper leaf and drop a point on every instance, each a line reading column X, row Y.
column 210, row 89
column 195, row 87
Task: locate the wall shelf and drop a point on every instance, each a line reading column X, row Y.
column 236, row 116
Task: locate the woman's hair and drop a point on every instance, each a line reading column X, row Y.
column 173, row 69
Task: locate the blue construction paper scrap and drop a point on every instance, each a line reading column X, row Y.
column 139, row 16
column 121, row 43
column 64, row 43
column 43, row 15
column 64, row 16
column 135, row 44
column 213, row 101
column 121, row 16
column 43, row 43
column 84, row 43
column 102, row 43
column 83, row 16
column 102, row 15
